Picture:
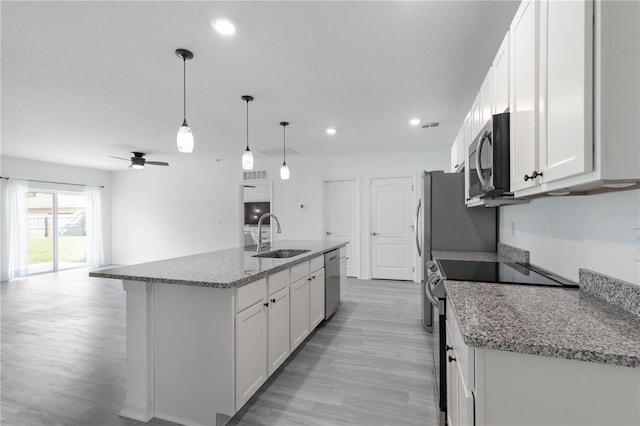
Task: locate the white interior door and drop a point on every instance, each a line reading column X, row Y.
column 341, row 219
column 392, row 230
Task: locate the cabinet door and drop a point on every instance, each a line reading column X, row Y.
column 251, row 351
column 476, row 114
column 501, row 78
column 454, row 155
column 566, row 142
column 486, row 99
column 452, row 384
column 298, row 312
column 278, row 329
column 524, row 95
column 316, row 298
column 467, row 130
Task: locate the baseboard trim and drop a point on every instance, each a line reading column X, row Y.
column 136, row 411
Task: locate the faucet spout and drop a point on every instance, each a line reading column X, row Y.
column 262, row 245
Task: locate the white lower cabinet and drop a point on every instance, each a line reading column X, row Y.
column 343, row 275
column 251, row 351
column 299, row 312
column 316, row 298
column 491, row 387
column 278, row 330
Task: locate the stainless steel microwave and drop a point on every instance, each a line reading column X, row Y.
column 488, row 162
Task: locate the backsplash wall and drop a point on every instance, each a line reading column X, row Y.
column 598, row 232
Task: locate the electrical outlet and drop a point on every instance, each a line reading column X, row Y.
column 513, row 228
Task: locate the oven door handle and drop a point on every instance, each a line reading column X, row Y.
column 416, row 227
column 428, row 293
column 483, row 138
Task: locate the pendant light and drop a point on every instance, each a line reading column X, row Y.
column 247, row 157
column 284, row 170
column 185, row 136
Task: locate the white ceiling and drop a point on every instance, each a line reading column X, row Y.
column 85, row 80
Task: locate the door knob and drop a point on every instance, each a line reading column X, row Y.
column 329, row 233
column 374, row 233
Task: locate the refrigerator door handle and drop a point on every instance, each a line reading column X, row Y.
column 416, row 227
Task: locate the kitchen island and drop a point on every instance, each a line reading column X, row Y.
column 204, row 332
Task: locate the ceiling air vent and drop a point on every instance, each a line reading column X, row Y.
column 434, row 124
column 277, row 152
column 254, row 175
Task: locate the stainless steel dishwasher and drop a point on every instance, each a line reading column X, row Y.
column 331, row 282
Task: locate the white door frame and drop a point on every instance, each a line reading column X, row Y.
column 358, row 242
column 369, row 240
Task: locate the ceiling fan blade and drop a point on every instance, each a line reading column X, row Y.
column 157, row 163
column 120, row 158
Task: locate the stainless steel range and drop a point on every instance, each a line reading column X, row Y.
column 512, row 273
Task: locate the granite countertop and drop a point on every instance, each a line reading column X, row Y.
column 546, row 321
column 220, row 269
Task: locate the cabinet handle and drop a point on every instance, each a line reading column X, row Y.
column 273, row 300
column 313, row 277
column 329, row 233
column 534, row 175
column 452, row 359
column 266, row 303
column 374, row 233
column 447, row 348
column 309, row 279
column 456, row 166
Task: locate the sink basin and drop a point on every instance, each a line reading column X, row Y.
column 282, row 253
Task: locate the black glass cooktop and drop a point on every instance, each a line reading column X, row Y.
column 496, row 272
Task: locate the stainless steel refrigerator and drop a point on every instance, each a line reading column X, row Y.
column 448, row 225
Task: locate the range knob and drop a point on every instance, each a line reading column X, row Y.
column 431, row 266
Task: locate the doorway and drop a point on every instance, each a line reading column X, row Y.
column 56, row 231
column 255, row 200
column 392, row 228
column 341, row 219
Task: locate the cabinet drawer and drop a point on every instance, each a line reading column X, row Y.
column 316, row 263
column 299, row 271
column 278, row 281
column 250, row 294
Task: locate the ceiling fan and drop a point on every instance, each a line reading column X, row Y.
column 138, row 161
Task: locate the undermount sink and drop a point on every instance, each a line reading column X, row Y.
column 282, row 253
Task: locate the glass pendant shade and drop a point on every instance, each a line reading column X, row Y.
column 284, row 172
column 185, row 138
column 247, row 160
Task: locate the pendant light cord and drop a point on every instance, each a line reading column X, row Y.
column 184, row 87
column 284, row 144
column 248, row 125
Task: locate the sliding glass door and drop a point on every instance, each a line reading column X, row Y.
column 40, row 232
column 56, row 231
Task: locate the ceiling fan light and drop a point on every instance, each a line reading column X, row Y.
column 137, row 166
column 284, row 172
column 185, row 138
column 247, row 160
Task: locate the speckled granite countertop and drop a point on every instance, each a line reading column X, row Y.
column 221, row 269
column 546, row 321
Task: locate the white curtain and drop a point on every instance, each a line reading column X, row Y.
column 95, row 251
column 15, row 214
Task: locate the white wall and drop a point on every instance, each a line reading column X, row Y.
column 599, row 232
column 165, row 212
column 28, row 169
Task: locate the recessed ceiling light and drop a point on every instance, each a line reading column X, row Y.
column 331, row 131
column 414, row 121
column 223, row 26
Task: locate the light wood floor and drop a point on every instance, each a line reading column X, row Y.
column 63, row 359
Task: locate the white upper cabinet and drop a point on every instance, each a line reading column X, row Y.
column 524, row 95
column 486, row 99
column 574, row 101
column 501, row 78
column 566, row 71
column 476, row 117
column 454, row 155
